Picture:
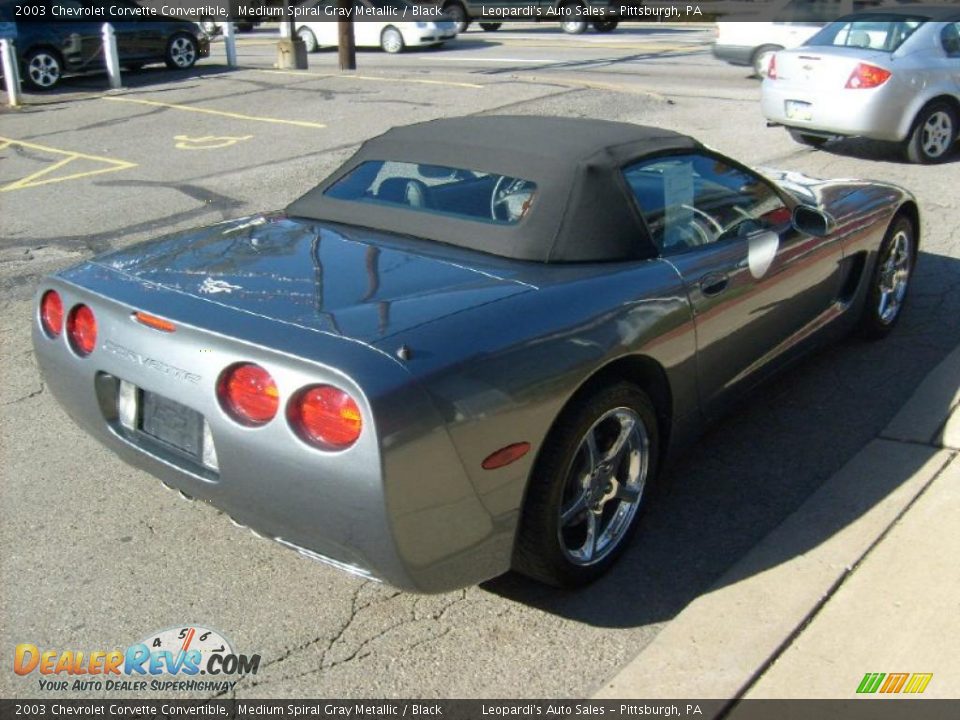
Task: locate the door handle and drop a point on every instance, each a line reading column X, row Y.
column 714, row 283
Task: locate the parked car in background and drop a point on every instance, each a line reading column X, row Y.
column 393, row 36
column 890, row 75
column 488, row 13
column 49, row 50
column 753, row 43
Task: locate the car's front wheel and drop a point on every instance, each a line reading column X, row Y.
column 605, row 26
column 391, row 40
column 934, row 133
column 181, row 52
column 589, row 484
column 890, row 280
column 458, row 14
column 309, row 39
column 43, row 69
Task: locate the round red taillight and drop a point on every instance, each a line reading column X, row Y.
column 82, row 330
column 326, row 416
column 51, row 313
column 249, row 394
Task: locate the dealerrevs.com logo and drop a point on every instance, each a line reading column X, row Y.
column 189, row 658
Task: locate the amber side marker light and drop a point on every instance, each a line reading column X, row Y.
column 152, row 321
column 505, row 456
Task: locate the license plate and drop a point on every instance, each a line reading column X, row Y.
column 172, row 424
column 797, row 110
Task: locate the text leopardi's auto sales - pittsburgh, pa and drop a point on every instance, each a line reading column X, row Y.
column 164, row 663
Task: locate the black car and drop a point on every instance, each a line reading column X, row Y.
column 49, row 48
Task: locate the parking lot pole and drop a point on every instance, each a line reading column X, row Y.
column 110, row 55
column 230, row 40
column 10, row 72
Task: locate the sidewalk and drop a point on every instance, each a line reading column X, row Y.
column 879, row 592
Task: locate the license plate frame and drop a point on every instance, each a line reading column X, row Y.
column 798, row 110
column 172, row 424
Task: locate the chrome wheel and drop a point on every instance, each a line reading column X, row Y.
column 604, row 486
column 181, row 52
column 894, row 276
column 43, row 70
column 936, row 136
column 391, row 40
column 309, row 39
column 573, row 27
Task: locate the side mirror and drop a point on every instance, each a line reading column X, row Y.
column 811, row 221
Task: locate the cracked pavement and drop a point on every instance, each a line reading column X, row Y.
column 96, row 555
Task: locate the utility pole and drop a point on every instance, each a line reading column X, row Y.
column 347, row 46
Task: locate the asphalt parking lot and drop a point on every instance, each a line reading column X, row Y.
column 97, row 555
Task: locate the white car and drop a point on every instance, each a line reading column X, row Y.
column 391, row 34
column 891, row 75
column 754, row 43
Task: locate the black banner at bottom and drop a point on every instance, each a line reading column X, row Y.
column 854, row 709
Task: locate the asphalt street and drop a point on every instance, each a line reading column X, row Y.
column 95, row 555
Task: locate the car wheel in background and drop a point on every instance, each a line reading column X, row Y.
column 760, row 60
column 490, row 27
column 181, row 52
column 890, row 280
column 590, row 482
column 807, row 139
column 309, row 39
column 43, row 69
column 458, row 14
column 391, row 40
column 934, row 133
column 605, row 26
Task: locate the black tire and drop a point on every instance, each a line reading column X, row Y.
column 934, row 134
column 605, row 26
column 42, row 69
column 181, row 52
column 894, row 262
column 309, row 39
column 490, row 27
column 574, row 25
column 558, row 481
column 133, row 67
column 814, row 141
column 760, row 59
column 458, row 13
column 391, row 40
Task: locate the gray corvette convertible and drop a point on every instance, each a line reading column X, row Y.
column 474, row 345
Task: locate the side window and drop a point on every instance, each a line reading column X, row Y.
column 693, row 200
column 950, row 39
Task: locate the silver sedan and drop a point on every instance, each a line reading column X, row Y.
column 890, row 75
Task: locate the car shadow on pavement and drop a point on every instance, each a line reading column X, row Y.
column 757, row 465
column 865, row 149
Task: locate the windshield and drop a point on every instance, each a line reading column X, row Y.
column 872, row 32
column 437, row 189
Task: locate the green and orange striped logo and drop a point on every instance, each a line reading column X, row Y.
column 910, row 683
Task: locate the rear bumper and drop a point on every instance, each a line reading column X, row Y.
column 397, row 506
column 877, row 114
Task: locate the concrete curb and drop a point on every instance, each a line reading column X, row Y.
column 721, row 643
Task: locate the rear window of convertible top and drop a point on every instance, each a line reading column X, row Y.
column 437, row 189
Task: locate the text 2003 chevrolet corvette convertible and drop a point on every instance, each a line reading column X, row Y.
column 472, row 347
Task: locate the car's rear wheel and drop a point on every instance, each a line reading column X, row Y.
column 181, row 52
column 574, row 25
column 808, row 139
column 458, row 14
column 934, row 134
column 43, row 69
column 588, row 487
column 760, row 60
column 890, row 280
column 309, row 39
column 391, row 40
column 490, row 27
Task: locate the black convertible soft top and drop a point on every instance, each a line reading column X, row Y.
column 582, row 211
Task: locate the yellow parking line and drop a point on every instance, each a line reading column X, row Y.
column 304, row 73
column 222, row 113
column 33, row 179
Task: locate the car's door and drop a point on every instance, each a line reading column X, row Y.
column 79, row 41
column 367, row 31
column 756, row 285
column 127, row 32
